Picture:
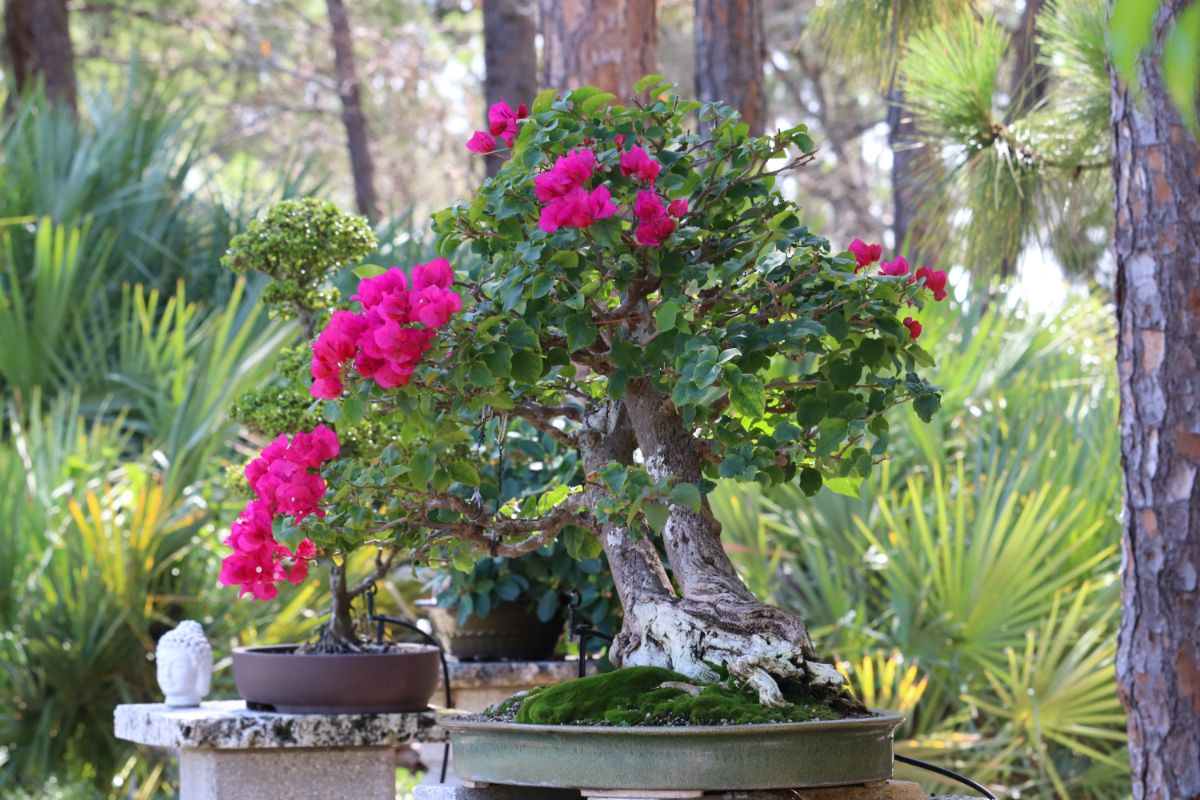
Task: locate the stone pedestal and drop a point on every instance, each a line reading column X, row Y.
column 227, row 752
column 476, row 685
column 883, row 790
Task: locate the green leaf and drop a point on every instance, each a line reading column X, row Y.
column 810, row 481
column 926, row 406
column 832, row 432
column 464, row 473
column 1129, row 30
column 656, row 516
column 687, row 495
column 1181, row 64
column 547, row 607
column 810, row 410
column 649, row 82
column 544, row 101
column 352, row 410
column 580, row 331
column 479, row 375
column 748, row 397
column 849, row 485
column 526, row 366
column 368, row 271
column 596, row 102
column 665, row 316
column 420, row 467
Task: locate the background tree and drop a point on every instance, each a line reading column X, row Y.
column 350, row 93
column 509, row 55
column 1156, row 172
column 730, row 51
column 37, row 34
column 610, row 44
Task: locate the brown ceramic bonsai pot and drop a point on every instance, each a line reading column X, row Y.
column 280, row 679
column 509, row 633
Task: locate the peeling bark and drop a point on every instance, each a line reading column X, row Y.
column 730, row 52
column 606, row 43
column 1156, row 181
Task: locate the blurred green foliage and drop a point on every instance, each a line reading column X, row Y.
column 973, row 584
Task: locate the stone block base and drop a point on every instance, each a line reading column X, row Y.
column 884, row 790
column 312, row 774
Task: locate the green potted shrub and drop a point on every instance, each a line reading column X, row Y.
column 513, row 609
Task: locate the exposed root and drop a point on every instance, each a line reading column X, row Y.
column 758, row 644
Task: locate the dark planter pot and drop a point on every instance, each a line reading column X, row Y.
column 351, row 683
column 509, row 633
column 792, row 755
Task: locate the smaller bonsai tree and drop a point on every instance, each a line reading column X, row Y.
column 645, row 295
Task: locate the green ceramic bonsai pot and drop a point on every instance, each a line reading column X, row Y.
column 695, row 757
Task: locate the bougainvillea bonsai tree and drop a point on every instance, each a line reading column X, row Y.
column 645, row 295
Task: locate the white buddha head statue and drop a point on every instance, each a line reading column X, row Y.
column 184, row 664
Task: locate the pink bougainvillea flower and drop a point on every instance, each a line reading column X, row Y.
column 677, row 208
column 577, row 209
column 306, row 549
column 619, row 140
column 935, row 281
column 914, row 327
column 638, row 164
column 435, row 305
column 865, row 254
column 435, row 273
column 481, row 142
column 568, row 173
column 502, row 119
column 654, row 225
column 899, row 266
column 372, row 290
column 252, row 529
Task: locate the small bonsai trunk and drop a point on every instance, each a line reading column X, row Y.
column 338, row 635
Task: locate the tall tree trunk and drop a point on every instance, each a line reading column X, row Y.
column 1028, row 85
column 604, row 43
column 38, row 39
column 902, row 139
column 1156, row 181
column 509, row 55
column 730, row 51
column 353, row 118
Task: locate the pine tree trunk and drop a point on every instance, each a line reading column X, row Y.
column 350, row 94
column 1156, row 179
column 509, row 55
column 604, row 43
column 730, row 51
column 38, row 39
column 1028, row 85
column 902, row 139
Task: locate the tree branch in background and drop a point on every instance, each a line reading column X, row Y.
column 361, row 165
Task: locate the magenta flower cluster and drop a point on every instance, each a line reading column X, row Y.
column 935, row 279
column 502, row 122
column 386, row 341
column 286, row 480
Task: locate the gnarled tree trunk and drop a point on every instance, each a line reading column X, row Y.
column 604, row 43
column 509, row 56
column 1156, row 181
column 730, row 51
column 714, row 619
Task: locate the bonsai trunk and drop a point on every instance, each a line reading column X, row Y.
column 714, row 620
column 338, row 635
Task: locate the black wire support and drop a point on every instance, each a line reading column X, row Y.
column 947, row 773
column 381, row 622
column 581, row 632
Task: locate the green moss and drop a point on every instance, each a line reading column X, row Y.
column 636, row 696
